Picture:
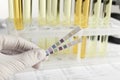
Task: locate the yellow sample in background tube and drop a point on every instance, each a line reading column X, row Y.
column 77, row 19
column 84, row 13
column 27, row 10
column 93, row 23
column 81, row 19
column 42, row 11
column 18, row 14
column 104, row 19
column 77, row 16
column 49, row 11
column 75, row 47
column 11, row 11
column 67, row 8
column 55, row 12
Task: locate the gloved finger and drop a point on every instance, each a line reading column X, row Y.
column 32, row 57
column 10, row 52
column 37, row 66
column 15, row 43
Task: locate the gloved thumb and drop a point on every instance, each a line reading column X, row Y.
column 32, row 57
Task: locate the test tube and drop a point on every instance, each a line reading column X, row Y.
column 75, row 47
column 42, row 11
column 81, row 19
column 104, row 19
column 77, row 19
column 77, row 16
column 93, row 23
column 53, row 10
column 11, row 11
column 27, row 10
column 18, row 14
column 67, row 7
column 49, row 11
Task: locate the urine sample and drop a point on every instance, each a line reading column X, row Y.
column 81, row 19
column 53, row 12
column 11, row 9
column 67, row 8
column 84, row 13
column 75, row 47
column 77, row 15
column 27, row 10
column 93, row 23
column 18, row 14
column 42, row 11
column 104, row 19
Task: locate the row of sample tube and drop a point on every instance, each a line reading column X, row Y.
column 77, row 12
column 83, row 13
column 92, row 14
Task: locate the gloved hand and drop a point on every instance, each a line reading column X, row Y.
column 16, row 54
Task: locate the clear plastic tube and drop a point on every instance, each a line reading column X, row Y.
column 18, row 14
column 27, row 10
column 11, row 12
column 104, row 19
column 77, row 16
column 42, row 11
column 81, row 19
column 93, row 23
column 67, row 8
column 49, row 11
column 53, row 10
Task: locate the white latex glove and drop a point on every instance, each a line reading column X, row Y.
column 16, row 54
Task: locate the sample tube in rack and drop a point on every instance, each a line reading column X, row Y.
column 75, row 47
column 11, row 9
column 104, row 19
column 93, row 23
column 53, row 10
column 18, row 14
column 77, row 19
column 27, row 10
column 81, row 19
column 49, row 11
column 67, row 7
column 77, row 16
column 42, row 11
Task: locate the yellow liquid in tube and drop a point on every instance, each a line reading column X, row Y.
column 27, row 16
column 75, row 47
column 55, row 11
column 77, row 19
column 81, row 19
column 67, row 4
column 104, row 18
column 11, row 12
column 93, row 23
column 42, row 11
column 18, row 14
column 49, row 11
